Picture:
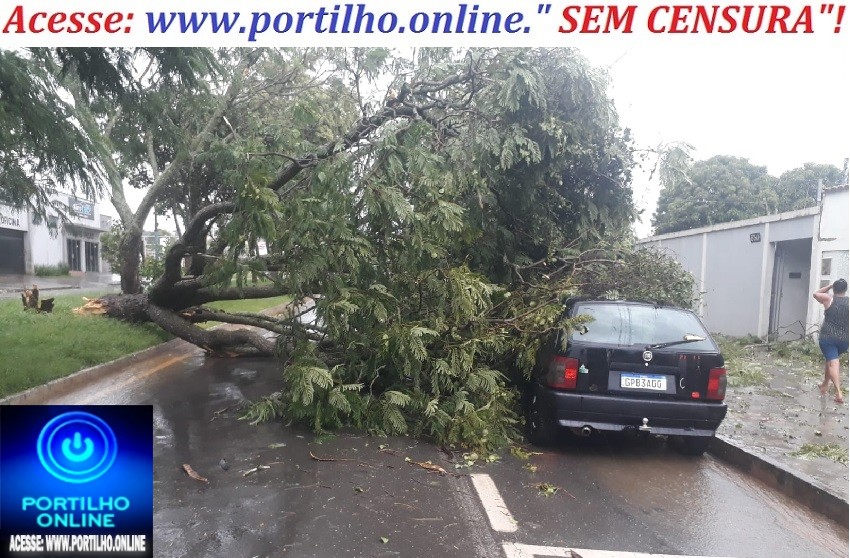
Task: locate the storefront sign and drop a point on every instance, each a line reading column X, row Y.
column 13, row 219
column 81, row 208
column 79, row 232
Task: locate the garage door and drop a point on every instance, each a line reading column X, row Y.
column 11, row 252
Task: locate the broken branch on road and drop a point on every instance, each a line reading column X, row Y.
column 427, row 465
column 194, row 474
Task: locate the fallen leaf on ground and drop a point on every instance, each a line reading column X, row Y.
column 521, row 453
column 192, row 473
column 427, row 465
column 546, row 489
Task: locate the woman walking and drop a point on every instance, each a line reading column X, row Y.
column 833, row 333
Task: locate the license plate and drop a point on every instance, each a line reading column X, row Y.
column 643, row 381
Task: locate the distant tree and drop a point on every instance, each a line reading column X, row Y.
column 110, row 243
column 41, row 144
column 797, row 188
column 46, row 143
column 717, row 190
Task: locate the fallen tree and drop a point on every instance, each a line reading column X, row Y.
column 439, row 229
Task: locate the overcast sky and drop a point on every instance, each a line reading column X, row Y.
column 779, row 104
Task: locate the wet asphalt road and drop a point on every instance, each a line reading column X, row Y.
column 359, row 496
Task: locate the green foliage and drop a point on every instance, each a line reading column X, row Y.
column 717, row 190
column 442, row 259
column 724, row 188
column 110, row 243
column 797, row 188
column 151, row 267
column 798, row 351
column 41, row 144
column 52, row 270
column 439, row 242
column 637, row 273
column 743, row 367
column 47, row 142
column 828, row 451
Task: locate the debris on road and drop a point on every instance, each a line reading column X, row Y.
column 314, row 458
column 220, row 412
column 427, row 465
column 256, row 469
column 522, row 454
column 192, row 473
column 828, row 451
column 224, row 465
column 546, row 489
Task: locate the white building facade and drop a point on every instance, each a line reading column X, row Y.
column 25, row 244
column 757, row 276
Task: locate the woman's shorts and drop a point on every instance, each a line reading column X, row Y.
column 831, row 348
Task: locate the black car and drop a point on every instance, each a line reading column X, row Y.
column 629, row 366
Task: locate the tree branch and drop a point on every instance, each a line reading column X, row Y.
column 225, row 342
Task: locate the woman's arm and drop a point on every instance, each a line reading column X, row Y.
column 822, row 295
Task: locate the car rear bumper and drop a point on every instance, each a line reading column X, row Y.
column 603, row 412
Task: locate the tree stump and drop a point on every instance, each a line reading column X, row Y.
column 30, row 298
column 46, row 305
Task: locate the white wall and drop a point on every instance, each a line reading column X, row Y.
column 733, row 264
column 833, row 242
column 45, row 249
column 834, row 223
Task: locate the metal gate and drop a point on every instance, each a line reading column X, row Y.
column 12, row 252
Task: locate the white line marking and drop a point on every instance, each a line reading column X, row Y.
column 517, row 550
column 497, row 512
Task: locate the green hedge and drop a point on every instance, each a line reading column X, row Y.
column 52, row 270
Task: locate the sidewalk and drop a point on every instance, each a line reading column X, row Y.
column 12, row 285
column 775, row 432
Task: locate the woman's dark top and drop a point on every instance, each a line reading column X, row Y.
column 835, row 320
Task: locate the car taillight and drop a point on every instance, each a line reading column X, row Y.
column 716, row 384
column 563, row 373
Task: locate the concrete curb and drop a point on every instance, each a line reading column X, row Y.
column 801, row 488
column 64, row 384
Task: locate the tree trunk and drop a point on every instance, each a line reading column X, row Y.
column 130, row 251
column 218, row 342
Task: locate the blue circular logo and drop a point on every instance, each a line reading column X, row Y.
column 77, row 447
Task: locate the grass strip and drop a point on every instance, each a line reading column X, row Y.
column 36, row 348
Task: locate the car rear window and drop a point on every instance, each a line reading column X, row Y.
column 624, row 324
